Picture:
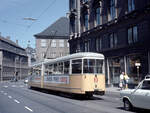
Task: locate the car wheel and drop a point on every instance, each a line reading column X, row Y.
column 127, row 105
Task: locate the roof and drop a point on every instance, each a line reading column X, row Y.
column 73, row 56
column 10, row 42
column 60, row 29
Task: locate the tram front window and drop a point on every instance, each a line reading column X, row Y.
column 76, row 66
column 92, row 66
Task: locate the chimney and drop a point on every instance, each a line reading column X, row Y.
column 8, row 37
column 17, row 42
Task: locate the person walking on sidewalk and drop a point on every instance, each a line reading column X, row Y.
column 126, row 80
column 121, row 83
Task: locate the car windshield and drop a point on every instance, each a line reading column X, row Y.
column 145, row 85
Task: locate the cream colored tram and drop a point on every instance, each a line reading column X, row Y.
column 79, row 73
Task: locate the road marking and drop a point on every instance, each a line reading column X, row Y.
column 21, row 86
column 28, row 109
column 10, row 97
column 16, row 101
column 13, row 86
column 5, row 86
column 2, row 91
column 5, row 93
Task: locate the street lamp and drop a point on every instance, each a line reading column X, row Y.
column 138, row 71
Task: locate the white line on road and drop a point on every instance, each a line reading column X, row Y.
column 5, row 93
column 13, row 86
column 2, row 91
column 10, row 97
column 28, row 109
column 5, row 86
column 21, row 86
column 16, row 101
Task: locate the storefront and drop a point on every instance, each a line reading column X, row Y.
column 135, row 65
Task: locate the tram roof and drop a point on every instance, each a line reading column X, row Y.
column 72, row 56
column 76, row 56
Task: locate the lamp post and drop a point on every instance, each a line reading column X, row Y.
column 138, row 71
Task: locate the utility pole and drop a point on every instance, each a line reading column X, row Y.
column 45, row 55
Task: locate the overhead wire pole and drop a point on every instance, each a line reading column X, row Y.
column 45, row 55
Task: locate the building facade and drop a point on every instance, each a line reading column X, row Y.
column 53, row 41
column 120, row 29
column 13, row 59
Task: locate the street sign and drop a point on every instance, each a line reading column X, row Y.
column 137, row 64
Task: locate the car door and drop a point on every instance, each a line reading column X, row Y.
column 141, row 96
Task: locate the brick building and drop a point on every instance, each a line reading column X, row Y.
column 53, row 41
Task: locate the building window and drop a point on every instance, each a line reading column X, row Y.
column 72, row 4
column 131, row 5
column 87, row 46
column 61, row 43
column 97, row 44
column 100, row 44
column 53, row 54
column 116, row 65
column 113, row 40
column 98, row 16
column 132, row 35
column 53, row 44
column 112, row 10
column 86, row 22
column 43, row 43
column 132, row 69
column 84, row 1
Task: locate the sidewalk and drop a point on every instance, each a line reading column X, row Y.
column 113, row 89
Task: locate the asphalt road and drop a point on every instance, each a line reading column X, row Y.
column 17, row 98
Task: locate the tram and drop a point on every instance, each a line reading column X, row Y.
column 79, row 73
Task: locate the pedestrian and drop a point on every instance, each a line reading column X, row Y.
column 121, row 83
column 126, row 80
column 16, row 76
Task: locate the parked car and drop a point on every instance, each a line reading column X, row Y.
column 26, row 80
column 138, row 97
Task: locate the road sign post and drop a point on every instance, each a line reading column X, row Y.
column 138, row 71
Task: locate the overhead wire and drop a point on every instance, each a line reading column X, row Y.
column 8, row 22
column 29, row 26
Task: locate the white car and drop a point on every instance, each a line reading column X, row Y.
column 139, row 97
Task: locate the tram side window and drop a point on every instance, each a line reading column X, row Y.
column 66, row 67
column 89, row 66
column 55, row 69
column 50, row 68
column 60, row 68
column 99, row 66
column 76, row 66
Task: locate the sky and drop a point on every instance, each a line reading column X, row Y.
column 14, row 14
